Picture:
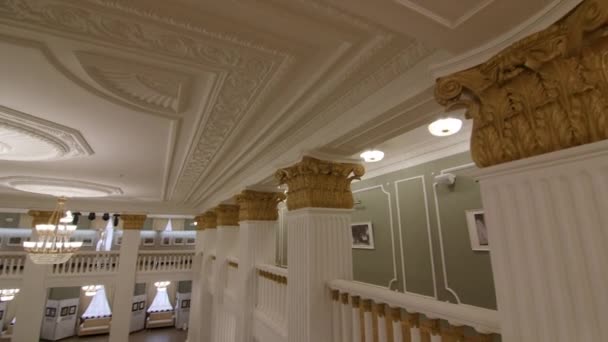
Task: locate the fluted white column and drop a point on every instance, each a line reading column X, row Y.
column 125, row 279
column 547, row 219
column 30, row 302
column 319, row 250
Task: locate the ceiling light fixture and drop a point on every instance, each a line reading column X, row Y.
column 54, row 245
column 372, row 156
column 445, row 126
column 8, row 294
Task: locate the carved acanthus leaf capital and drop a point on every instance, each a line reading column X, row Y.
column 314, row 183
column 545, row 93
column 132, row 221
column 208, row 220
column 258, row 206
column 227, row 215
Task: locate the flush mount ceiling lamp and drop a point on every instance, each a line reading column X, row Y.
column 162, row 285
column 8, row 294
column 372, row 156
column 445, row 126
column 91, row 290
column 54, row 245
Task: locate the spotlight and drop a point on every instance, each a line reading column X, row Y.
column 116, row 216
column 91, row 216
column 105, row 216
column 371, row 156
column 76, row 217
column 445, row 126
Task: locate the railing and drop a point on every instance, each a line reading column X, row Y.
column 363, row 312
column 232, row 273
column 271, row 298
column 88, row 263
column 161, row 261
column 11, row 264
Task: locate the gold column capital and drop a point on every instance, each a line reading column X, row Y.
column 544, row 93
column 227, row 215
column 132, row 221
column 40, row 216
column 208, row 220
column 258, row 206
column 314, row 183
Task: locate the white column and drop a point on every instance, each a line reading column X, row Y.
column 256, row 245
column 125, row 279
column 319, row 250
column 547, row 219
column 31, row 301
column 198, row 282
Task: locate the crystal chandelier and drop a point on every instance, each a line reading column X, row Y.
column 53, row 245
column 8, row 294
column 91, row 290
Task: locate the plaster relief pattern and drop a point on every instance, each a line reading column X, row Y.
column 147, row 86
column 28, row 138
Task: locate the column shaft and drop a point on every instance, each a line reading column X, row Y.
column 31, row 301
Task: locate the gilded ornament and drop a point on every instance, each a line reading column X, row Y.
column 208, row 220
column 40, row 217
column 545, row 93
column 314, row 183
column 132, row 222
column 227, row 215
column 258, row 206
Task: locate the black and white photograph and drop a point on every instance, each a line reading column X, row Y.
column 14, row 241
column 148, row 241
column 166, row 241
column 141, row 305
column 478, row 231
column 178, row 241
column 185, row 303
column 363, row 235
column 134, row 307
column 73, row 310
column 50, row 312
column 64, row 311
column 190, row 241
column 87, row 242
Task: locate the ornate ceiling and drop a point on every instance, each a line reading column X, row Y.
column 186, row 102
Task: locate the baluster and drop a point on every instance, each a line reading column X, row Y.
column 366, row 318
column 19, row 265
column 336, row 315
column 381, row 323
column 347, row 319
column 452, row 333
column 395, row 326
column 410, row 327
column 358, row 332
column 479, row 338
column 429, row 331
column 11, row 265
column 4, row 271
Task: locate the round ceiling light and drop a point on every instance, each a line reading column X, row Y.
column 59, row 187
column 372, row 156
column 445, row 126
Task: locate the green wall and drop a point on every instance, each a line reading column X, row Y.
column 9, row 220
column 405, row 214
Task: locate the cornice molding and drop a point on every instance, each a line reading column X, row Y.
column 65, row 141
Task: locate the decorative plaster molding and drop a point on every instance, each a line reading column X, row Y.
column 146, row 86
column 59, row 187
column 449, row 23
column 18, row 129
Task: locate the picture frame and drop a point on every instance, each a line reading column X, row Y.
column 166, row 241
column 64, row 311
column 191, row 241
column 135, row 307
column 178, row 241
column 14, row 241
column 72, row 310
column 478, row 231
column 87, row 242
column 148, row 241
column 118, row 240
column 185, row 304
column 362, row 235
column 141, row 305
column 50, row 312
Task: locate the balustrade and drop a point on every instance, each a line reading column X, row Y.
column 271, row 299
column 363, row 312
column 164, row 261
column 88, row 263
column 11, row 264
column 232, row 275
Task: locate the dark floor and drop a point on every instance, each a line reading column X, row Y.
column 152, row 335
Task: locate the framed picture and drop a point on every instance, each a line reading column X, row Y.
column 14, row 241
column 87, row 242
column 190, row 241
column 478, row 231
column 148, row 241
column 134, row 307
column 363, row 235
column 64, row 311
column 166, row 241
column 118, row 240
column 185, row 303
column 141, row 305
column 50, row 312
column 72, row 309
column 177, row 241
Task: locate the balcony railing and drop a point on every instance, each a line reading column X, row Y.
column 363, row 312
column 165, row 261
column 271, row 298
column 88, row 263
column 12, row 264
column 232, row 273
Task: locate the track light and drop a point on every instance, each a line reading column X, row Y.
column 105, row 216
column 76, row 216
column 91, row 216
column 116, row 216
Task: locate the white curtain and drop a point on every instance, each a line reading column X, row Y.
column 169, row 226
column 99, row 305
column 105, row 240
column 161, row 301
